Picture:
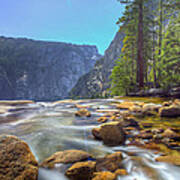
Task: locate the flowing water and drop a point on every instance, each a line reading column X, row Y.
column 48, row 128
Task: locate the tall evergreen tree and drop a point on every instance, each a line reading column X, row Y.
column 150, row 50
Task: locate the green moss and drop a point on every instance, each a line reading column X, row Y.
column 155, row 100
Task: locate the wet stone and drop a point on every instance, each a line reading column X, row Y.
column 106, row 175
column 65, row 157
column 112, row 134
column 81, row 170
column 16, row 160
column 110, row 162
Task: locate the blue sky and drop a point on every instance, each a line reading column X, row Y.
column 75, row 21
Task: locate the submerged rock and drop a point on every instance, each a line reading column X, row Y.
column 110, row 162
column 83, row 112
column 112, row 134
column 168, row 133
column 106, row 175
column 172, row 159
column 68, row 156
column 121, row 172
column 102, row 119
column 81, row 170
column 170, row 111
column 96, row 133
column 176, row 102
column 130, row 122
column 150, row 107
column 16, row 160
column 126, row 105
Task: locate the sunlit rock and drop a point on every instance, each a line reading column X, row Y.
column 102, row 119
column 170, row 111
column 16, row 160
column 106, row 175
column 96, row 133
column 110, row 162
column 168, row 133
column 112, row 133
column 68, row 156
column 125, row 105
column 81, row 170
column 172, row 159
column 83, row 112
column 130, row 121
column 121, row 172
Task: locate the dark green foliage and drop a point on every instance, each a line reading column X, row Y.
column 161, row 46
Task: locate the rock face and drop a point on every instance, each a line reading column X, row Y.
column 42, row 70
column 16, row 160
column 96, row 82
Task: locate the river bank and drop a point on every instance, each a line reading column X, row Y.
column 128, row 138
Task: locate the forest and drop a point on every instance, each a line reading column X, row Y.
column 150, row 56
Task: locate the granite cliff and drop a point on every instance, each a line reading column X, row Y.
column 96, row 82
column 42, row 70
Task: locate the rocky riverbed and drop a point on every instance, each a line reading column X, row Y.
column 101, row 139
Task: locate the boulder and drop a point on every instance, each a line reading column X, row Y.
column 112, row 134
column 151, row 107
column 96, row 133
column 63, row 102
column 109, row 111
column 168, row 133
column 125, row 105
column 146, row 124
column 172, row 159
column 4, row 109
column 170, row 111
column 145, row 135
column 102, row 119
column 114, row 118
column 16, row 160
column 83, row 112
column 65, row 157
column 81, row 170
column 136, row 109
column 106, row 175
column 110, row 162
column 176, row 102
column 121, row 172
column 167, row 103
column 79, row 106
column 130, row 122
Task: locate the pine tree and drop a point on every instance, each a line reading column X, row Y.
column 150, row 50
column 170, row 56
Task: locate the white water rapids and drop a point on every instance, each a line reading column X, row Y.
column 48, row 128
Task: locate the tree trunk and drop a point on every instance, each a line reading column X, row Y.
column 160, row 33
column 140, row 65
column 132, row 57
column 153, row 52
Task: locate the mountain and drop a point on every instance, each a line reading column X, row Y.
column 96, row 82
column 41, row 70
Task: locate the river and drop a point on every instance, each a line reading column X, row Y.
column 50, row 127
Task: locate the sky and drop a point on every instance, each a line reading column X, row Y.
column 90, row 22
